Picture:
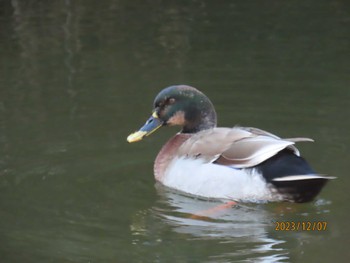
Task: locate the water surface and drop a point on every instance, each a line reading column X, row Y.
column 78, row 76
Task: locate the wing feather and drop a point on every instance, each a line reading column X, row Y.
column 252, row 151
column 237, row 147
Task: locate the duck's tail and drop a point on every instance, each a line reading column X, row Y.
column 293, row 177
column 301, row 188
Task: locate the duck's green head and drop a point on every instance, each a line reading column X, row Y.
column 178, row 105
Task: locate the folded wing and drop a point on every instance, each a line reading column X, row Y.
column 237, row 147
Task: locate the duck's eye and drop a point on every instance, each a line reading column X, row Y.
column 171, row 101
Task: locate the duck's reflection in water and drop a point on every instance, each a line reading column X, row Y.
column 243, row 229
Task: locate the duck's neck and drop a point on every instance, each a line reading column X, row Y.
column 201, row 118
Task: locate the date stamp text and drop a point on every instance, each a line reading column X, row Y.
column 300, row 225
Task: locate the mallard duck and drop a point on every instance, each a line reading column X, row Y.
column 240, row 163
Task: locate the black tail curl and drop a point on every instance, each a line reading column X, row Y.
column 297, row 189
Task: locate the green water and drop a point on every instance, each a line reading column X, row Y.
column 78, row 76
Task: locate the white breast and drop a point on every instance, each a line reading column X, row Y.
column 195, row 177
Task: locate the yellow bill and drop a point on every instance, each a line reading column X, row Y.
column 151, row 125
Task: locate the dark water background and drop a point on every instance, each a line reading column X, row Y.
column 76, row 77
